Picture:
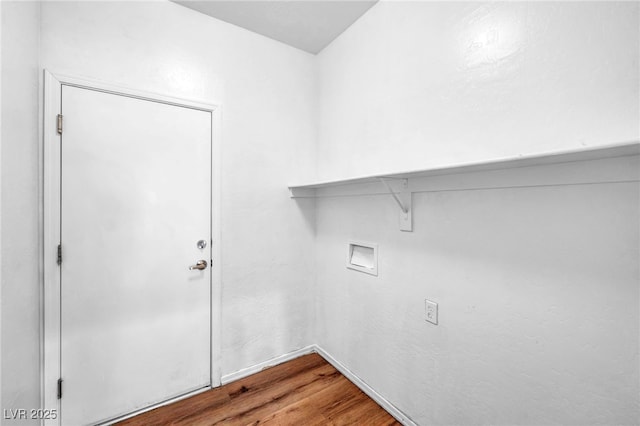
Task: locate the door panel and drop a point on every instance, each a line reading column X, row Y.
column 136, row 198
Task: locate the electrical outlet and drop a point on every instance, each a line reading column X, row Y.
column 431, row 311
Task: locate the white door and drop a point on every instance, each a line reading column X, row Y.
column 136, row 200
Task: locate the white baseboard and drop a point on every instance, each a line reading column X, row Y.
column 154, row 406
column 241, row 374
column 364, row 387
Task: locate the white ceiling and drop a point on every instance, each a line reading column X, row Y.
column 309, row 25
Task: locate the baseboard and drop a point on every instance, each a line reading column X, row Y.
column 364, row 387
column 153, row 407
column 241, row 374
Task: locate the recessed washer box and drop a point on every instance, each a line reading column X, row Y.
column 363, row 257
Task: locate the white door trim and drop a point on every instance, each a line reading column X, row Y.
column 50, row 208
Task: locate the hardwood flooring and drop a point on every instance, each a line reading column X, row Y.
column 305, row 391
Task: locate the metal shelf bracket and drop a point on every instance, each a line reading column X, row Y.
column 403, row 197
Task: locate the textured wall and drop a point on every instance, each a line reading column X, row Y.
column 19, row 244
column 538, row 303
column 415, row 84
column 538, row 287
column 0, row 208
column 265, row 89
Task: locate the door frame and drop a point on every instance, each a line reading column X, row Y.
column 50, row 360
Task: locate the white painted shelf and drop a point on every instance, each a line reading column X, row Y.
column 311, row 189
column 602, row 165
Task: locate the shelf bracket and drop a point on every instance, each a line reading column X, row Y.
column 403, row 198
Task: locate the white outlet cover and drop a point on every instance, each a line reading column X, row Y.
column 431, row 311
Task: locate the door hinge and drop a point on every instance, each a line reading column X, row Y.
column 59, row 388
column 59, row 124
column 59, row 254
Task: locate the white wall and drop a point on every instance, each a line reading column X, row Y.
column 20, row 246
column 0, row 208
column 538, row 303
column 415, row 84
column 538, row 288
column 266, row 90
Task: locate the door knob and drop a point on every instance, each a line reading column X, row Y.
column 200, row 265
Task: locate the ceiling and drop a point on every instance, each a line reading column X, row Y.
column 309, row 25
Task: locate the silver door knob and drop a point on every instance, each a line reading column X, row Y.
column 200, row 265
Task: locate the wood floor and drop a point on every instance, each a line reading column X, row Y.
column 305, row 391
